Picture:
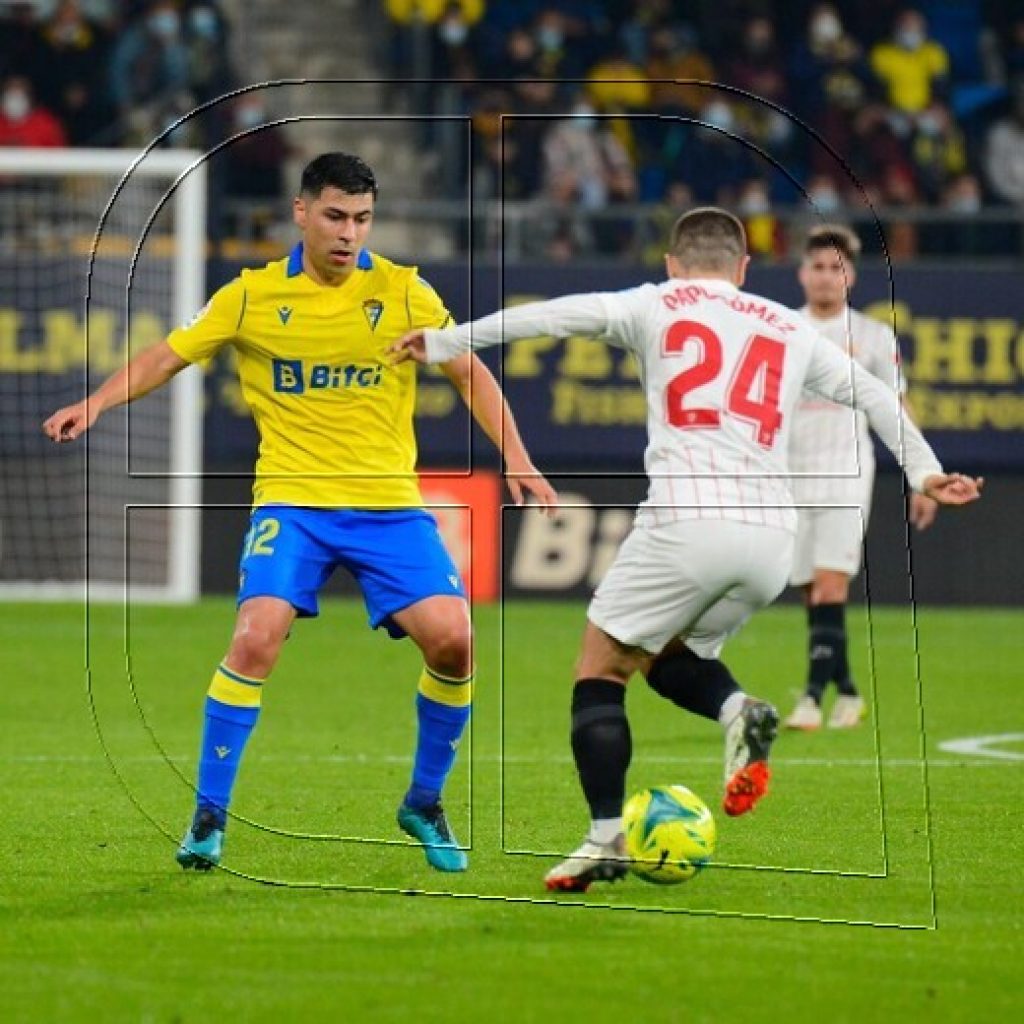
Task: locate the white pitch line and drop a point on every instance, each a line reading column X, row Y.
column 981, row 746
column 794, row 762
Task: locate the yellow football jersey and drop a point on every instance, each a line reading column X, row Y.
column 334, row 419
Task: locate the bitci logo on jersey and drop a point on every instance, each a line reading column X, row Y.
column 292, row 377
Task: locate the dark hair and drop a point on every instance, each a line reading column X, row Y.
column 708, row 238
column 833, row 236
column 344, row 171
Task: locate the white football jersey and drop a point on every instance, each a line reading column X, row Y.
column 830, row 443
column 723, row 371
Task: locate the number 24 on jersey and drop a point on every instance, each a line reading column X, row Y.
column 752, row 393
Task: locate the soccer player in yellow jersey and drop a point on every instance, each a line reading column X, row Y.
column 335, row 481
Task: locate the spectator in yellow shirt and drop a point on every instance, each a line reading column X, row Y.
column 911, row 67
column 617, row 85
column 674, row 55
column 403, row 12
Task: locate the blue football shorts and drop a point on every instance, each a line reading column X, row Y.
column 396, row 556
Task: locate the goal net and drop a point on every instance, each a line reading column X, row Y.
column 101, row 253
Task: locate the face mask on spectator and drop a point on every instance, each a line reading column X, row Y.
column 549, row 38
column 753, row 203
column 899, row 124
column 826, row 29
column 968, row 203
column 718, row 115
column 16, row 104
column 249, row 116
column 909, row 38
column 824, row 200
column 453, row 32
column 583, row 117
column 164, row 24
column 203, row 21
column 930, row 125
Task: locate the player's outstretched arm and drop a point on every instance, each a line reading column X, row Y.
column 150, row 369
column 840, row 379
column 560, row 318
column 480, row 391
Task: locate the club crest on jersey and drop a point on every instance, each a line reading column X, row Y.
column 372, row 309
column 285, row 313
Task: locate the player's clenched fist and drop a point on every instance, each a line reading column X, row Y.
column 72, row 421
column 953, row 488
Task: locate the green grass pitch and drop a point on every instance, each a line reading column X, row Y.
column 880, row 880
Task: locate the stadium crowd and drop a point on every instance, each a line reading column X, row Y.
column 105, row 73
column 922, row 106
column 120, row 73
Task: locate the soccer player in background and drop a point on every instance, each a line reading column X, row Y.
column 713, row 542
column 830, row 445
column 335, row 482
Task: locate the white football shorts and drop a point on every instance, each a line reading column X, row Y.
column 828, row 538
column 831, row 525
column 699, row 580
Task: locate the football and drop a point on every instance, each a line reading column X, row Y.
column 670, row 834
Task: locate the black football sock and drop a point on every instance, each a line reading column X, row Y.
column 826, row 638
column 601, row 744
column 699, row 685
column 843, row 680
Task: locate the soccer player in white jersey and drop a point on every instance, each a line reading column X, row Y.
column 713, row 541
column 831, row 454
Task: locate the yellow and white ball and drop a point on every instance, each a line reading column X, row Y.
column 670, row 834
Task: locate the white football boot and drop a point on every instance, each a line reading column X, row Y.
column 847, row 712
column 806, row 715
column 592, row 862
column 748, row 742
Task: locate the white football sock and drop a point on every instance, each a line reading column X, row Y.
column 731, row 708
column 604, row 830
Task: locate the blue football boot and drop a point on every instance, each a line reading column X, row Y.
column 430, row 827
column 203, row 843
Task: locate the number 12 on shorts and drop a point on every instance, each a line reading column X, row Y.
column 753, row 391
column 257, row 540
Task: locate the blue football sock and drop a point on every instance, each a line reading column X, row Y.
column 442, row 711
column 232, row 708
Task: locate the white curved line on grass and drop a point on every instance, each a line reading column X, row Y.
column 982, row 746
